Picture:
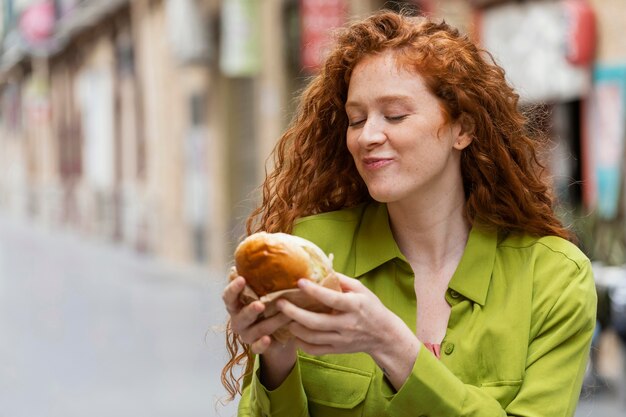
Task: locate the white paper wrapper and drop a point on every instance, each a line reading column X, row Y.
column 295, row 296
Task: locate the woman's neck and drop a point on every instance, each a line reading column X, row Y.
column 431, row 236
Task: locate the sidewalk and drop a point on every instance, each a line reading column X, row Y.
column 92, row 329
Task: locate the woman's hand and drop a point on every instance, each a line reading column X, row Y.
column 277, row 360
column 245, row 319
column 359, row 323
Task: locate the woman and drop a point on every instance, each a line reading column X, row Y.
column 409, row 161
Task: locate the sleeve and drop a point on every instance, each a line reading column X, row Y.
column 558, row 354
column 288, row 400
column 555, row 366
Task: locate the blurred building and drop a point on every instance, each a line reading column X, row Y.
column 149, row 122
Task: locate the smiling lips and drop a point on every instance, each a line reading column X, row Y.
column 376, row 163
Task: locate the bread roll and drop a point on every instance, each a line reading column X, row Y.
column 276, row 261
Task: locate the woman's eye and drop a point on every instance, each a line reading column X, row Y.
column 353, row 123
column 396, row 118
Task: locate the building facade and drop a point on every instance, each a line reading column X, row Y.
column 149, row 122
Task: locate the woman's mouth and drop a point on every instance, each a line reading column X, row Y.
column 376, row 163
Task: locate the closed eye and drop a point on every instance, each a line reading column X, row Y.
column 356, row 123
column 396, row 118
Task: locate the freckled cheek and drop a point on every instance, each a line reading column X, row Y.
column 417, row 166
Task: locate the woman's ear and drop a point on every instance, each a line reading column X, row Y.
column 465, row 135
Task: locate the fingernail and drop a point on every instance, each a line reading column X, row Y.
column 280, row 304
column 302, row 282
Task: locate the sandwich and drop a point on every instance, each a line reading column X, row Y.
column 273, row 262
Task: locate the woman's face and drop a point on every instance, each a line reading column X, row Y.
column 396, row 134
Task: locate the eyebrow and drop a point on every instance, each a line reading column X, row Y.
column 393, row 98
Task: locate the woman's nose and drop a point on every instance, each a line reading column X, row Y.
column 373, row 133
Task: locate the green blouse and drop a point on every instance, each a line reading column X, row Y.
column 517, row 342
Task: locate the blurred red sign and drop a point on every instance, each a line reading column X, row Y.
column 581, row 27
column 37, row 22
column 318, row 18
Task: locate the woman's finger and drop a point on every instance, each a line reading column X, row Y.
column 266, row 327
column 260, row 346
column 315, row 321
column 314, row 337
column 315, row 350
column 331, row 298
column 230, row 296
column 351, row 284
column 247, row 316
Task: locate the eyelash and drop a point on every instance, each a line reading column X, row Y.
column 358, row 122
column 396, row 118
column 389, row 118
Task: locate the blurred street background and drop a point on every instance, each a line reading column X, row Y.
column 90, row 329
column 134, row 135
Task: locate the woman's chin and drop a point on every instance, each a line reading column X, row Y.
column 381, row 196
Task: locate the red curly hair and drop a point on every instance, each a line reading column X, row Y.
column 315, row 173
